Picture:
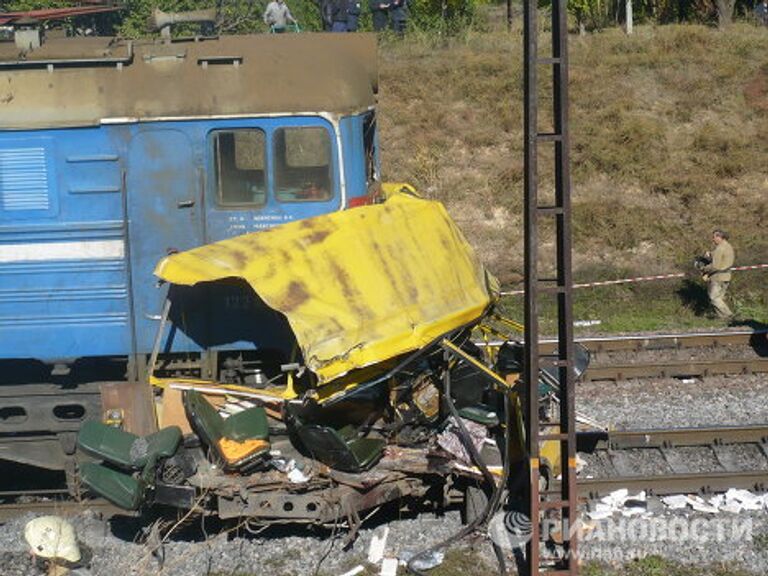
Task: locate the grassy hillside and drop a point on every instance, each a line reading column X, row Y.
column 669, row 133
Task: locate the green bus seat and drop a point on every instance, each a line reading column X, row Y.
column 120, row 448
column 341, row 449
column 121, row 489
column 481, row 414
column 238, row 441
column 125, row 449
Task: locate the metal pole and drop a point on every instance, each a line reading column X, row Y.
column 531, row 317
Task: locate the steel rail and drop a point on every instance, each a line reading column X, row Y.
column 673, row 437
column 680, row 481
column 663, row 484
column 639, row 342
column 676, row 369
column 667, row 369
column 667, row 341
column 9, row 510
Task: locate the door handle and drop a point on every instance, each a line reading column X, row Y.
column 185, row 203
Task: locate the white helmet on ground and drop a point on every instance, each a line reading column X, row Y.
column 52, row 537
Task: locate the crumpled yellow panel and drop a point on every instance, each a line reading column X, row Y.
column 358, row 287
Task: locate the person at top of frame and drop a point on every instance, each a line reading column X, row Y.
column 277, row 16
column 761, row 12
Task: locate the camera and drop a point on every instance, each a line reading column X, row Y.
column 701, row 262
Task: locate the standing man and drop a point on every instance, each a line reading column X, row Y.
column 380, row 13
column 353, row 15
column 718, row 273
column 339, row 15
column 399, row 14
column 278, row 15
column 326, row 13
column 761, row 13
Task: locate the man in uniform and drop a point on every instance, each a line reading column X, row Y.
column 718, row 273
column 380, row 13
column 339, row 15
column 399, row 14
column 353, row 15
column 761, row 13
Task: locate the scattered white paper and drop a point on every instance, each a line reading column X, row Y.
column 296, row 476
column 377, row 545
column 601, row 511
column 675, row 501
column 354, row 571
column 700, row 505
column 389, row 567
column 616, row 498
column 745, row 498
column 424, row 561
column 717, row 500
column 733, row 501
column 732, row 507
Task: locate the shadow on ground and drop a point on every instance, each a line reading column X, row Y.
column 693, row 295
column 758, row 340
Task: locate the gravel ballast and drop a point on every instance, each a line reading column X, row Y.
column 676, row 403
column 733, row 400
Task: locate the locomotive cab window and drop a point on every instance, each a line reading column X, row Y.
column 370, row 146
column 303, row 169
column 239, row 157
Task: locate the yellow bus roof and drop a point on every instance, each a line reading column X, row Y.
column 357, row 287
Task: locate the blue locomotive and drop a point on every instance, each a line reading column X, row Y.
column 114, row 154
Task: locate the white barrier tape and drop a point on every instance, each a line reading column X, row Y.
column 640, row 279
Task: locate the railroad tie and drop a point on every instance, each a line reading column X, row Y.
column 725, row 457
column 764, row 447
column 622, row 465
column 674, row 461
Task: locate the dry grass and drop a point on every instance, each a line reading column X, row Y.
column 669, row 132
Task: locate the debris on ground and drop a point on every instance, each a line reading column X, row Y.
column 622, row 502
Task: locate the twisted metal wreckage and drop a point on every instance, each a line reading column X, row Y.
column 366, row 386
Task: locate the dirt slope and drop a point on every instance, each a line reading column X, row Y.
column 669, row 132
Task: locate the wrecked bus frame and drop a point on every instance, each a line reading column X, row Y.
column 371, row 390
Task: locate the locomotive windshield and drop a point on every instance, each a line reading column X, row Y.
column 302, row 164
column 240, row 166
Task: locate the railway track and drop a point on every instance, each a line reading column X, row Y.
column 757, row 340
column 721, row 441
column 677, row 369
column 613, row 446
column 640, row 342
column 644, row 343
column 59, row 506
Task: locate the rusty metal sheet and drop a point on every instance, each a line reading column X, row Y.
column 57, row 13
column 250, row 75
column 358, row 287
